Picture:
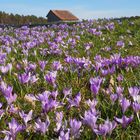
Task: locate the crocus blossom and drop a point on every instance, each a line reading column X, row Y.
column 14, row 129
column 95, row 85
column 125, row 103
column 51, row 77
column 90, row 119
column 26, row 117
column 59, row 118
column 75, row 127
column 75, row 101
column 42, row 126
column 105, row 128
column 124, row 121
column 64, row 135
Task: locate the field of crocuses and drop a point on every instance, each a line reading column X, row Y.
column 66, row 82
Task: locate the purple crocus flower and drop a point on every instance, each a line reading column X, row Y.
column 18, row 66
column 120, row 44
column 44, row 96
column 112, row 69
column 2, row 57
column 42, row 64
column 31, row 66
column 47, row 104
column 105, row 128
column 124, row 120
column 13, row 109
column 50, row 105
column 9, row 65
column 95, row 84
column 57, row 65
column 93, row 30
column 90, row 118
column 75, row 127
column 88, row 45
column 58, row 39
column 14, row 128
column 26, row 117
column 134, row 92
column 136, row 107
column 113, row 97
column 44, row 99
column 124, row 104
column 107, row 49
column 110, row 26
column 42, row 126
column 24, row 78
column 54, row 94
column 64, row 135
column 116, row 59
column 6, row 89
column 4, row 69
column 104, row 72
column 1, row 105
column 11, row 98
column 92, row 104
column 120, row 78
column 7, row 92
column 69, row 59
column 33, row 79
column 59, row 118
column 75, row 101
column 119, row 91
column 99, row 33
column 67, row 92
column 51, row 77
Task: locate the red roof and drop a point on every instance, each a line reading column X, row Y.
column 64, row 15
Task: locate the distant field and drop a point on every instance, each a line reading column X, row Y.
column 71, row 81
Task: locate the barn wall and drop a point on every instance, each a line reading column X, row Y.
column 52, row 17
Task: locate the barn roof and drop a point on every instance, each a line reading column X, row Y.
column 64, row 15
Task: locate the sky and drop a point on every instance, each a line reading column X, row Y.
column 83, row 9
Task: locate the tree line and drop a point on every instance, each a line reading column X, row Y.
column 17, row 19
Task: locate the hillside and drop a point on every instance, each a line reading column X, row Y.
column 71, row 81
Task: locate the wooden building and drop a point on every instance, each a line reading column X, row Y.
column 61, row 16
